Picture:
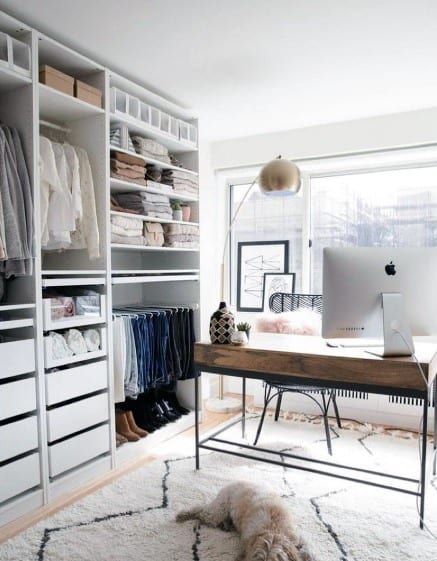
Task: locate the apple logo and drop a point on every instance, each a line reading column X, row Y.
column 390, row 269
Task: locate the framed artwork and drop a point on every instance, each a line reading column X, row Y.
column 255, row 259
column 277, row 282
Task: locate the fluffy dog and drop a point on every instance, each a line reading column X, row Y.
column 259, row 516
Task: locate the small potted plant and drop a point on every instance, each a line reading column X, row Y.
column 244, row 326
column 177, row 210
column 186, row 212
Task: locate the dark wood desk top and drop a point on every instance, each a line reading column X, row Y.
column 307, row 357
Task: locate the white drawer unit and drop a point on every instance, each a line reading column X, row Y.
column 77, row 416
column 17, row 477
column 17, row 357
column 51, row 362
column 18, row 438
column 17, row 398
column 74, row 321
column 78, row 450
column 74, row 382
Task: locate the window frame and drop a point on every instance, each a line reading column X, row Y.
column 319, row 168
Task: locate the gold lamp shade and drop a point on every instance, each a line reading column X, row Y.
column 280, row 175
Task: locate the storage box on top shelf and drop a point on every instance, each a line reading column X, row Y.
column 145, row 112
column 119, row 101
column 155, row 117
column 20, row 60
column 87, row 93
column 56, row 79
column 4, row 49
column 133, row 107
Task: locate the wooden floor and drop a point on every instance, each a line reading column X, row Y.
column 209, row 422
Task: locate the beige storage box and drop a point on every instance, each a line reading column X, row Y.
column 56, row 79
column 87, row 93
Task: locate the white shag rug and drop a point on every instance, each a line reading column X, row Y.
column 133, row 518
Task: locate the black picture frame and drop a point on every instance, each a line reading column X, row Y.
column 258, row 282
column 266, row 307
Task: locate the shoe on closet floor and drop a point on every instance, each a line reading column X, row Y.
column 142, row 417
column 123, row 428
column 120, row 440
column 173, row 401
column 133, row 426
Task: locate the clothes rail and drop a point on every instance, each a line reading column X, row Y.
column 54, row 126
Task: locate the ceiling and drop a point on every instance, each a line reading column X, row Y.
column 257, row 66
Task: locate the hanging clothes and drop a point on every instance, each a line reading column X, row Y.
column 16, row 206
column 68, row 203
column 153, row 348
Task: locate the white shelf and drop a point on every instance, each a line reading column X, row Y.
column 147, row 445
column 11, row 307
column 16, row 323
column 136, row 126
column 78, row 281
column 152, row 279
column 10, row 80
column 57, row 106
column 75, row 359
column 154, row 271
column 157, row 163
column 152, row 218
column 55, row 272
column 120, row 186
column 78, row 321
column 126, row 247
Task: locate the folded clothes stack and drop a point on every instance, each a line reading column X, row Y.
column 154, row 234
column 127, row 167
column 151, row 149
column 148, row 204
column 182, row 182
column 127, row 230
column 74, row 342
column 181, row 235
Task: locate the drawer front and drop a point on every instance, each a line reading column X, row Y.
column 17, row 398
column 17, row 438
column 17, row 357
column 77, row 450
column 77, row 416
column 74, row 382
column 19, row 476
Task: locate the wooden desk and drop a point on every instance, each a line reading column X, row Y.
column 309, row 361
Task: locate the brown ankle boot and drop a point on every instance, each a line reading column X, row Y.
column 133, row 426
column 122, row 427
column 119, row 440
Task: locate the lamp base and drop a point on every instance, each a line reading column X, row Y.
column 223, row 406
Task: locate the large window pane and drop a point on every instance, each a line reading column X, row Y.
column 267, row 218
column 381, row 208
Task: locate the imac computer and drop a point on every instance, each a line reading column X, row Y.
column 379, row 297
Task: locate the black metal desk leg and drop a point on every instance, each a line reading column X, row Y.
column 243, row 409
column 423, row 461
column 434, row 466
column 196, row 417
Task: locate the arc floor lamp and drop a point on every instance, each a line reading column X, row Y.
column 279, row 176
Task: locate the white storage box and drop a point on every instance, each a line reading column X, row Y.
column 174, row 127
column 19, row 476
column 145, row 114
column 193, row 134
column 4, row 49
column 77, row 416
column 17, row 398
column 155, row 117
column 54, row 307
column 184, row 131
column 18, row 438
column 165, row 122
column 119, row 101
column 20, row 59
column 63, row 385
column 51, row 362
column 78, row 450
column 17, row 357
column 134, row 107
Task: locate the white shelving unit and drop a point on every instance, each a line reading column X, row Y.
column 38, row 467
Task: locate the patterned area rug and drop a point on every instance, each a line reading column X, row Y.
column 133, row 518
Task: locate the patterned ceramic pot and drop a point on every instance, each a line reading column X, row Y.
column 222, row 325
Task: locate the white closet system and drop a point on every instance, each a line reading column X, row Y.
column 57, row 429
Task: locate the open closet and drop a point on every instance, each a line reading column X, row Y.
column 99, row 321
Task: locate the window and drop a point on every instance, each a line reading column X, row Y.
column 384, row 199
